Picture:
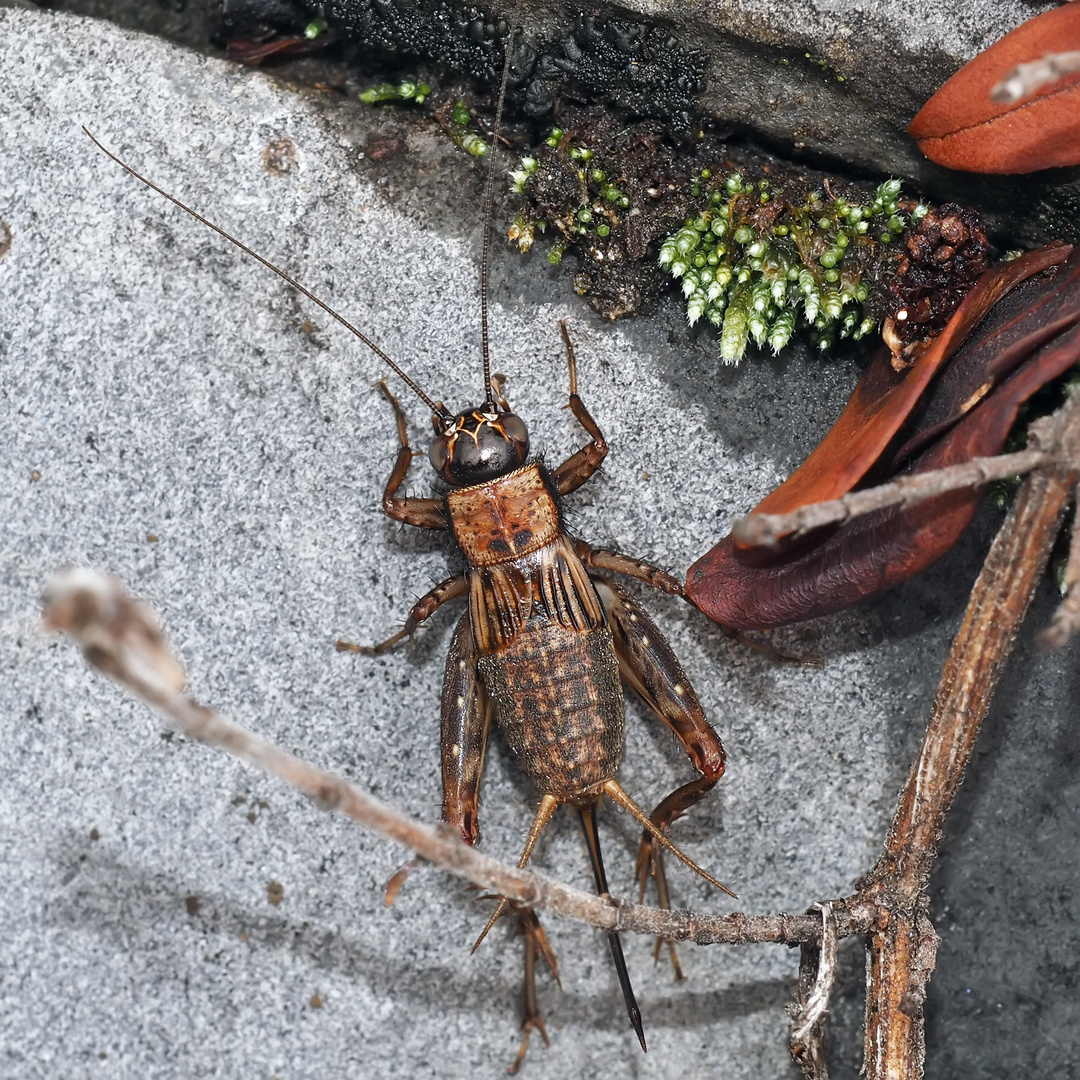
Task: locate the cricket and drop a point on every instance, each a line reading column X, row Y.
column 208, row 797
column 548, row 638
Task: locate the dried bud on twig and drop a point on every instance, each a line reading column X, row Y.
column 806, row 1037
column 119, row 635
column 1065, row 623
column 1025, row 79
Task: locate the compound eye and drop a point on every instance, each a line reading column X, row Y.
column 516, row 431
column 438, row 454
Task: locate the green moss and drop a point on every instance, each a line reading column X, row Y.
column 405, row 91
column 759, row 266
column 459, row 128
column 591, row 212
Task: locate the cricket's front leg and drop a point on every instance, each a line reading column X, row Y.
column 423, row 513
column 647, row 663
column 577, row 468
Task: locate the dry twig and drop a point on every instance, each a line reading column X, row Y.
column 120, row 636
column 1025, row 79
column 900, row 954
column 767, row 530
column 901, row 950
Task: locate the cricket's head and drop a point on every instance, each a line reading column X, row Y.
column 479, row 445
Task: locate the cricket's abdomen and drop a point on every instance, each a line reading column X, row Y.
column 545, row 654
column 556, row 695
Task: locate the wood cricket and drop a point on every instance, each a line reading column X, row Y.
column 547, row 639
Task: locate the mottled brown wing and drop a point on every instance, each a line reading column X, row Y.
column 466, row 721
column 647, row 663
column 551, row 582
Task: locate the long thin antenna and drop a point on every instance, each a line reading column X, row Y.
column 489, row 196
column 439, row 410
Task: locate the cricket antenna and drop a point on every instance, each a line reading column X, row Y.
column 436, row 407
column 489, row 198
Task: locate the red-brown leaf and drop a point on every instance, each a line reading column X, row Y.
column 962, row 128
column 1014, row 354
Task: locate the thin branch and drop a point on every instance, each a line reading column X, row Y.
column 1025, row 79
column 817, row 973
column 766, row 530
column 900, row 955
column 120, row 636
column 1066, row 620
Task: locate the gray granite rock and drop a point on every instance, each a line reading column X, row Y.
column 175, row 415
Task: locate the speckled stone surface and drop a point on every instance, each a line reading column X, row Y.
column 173, row 414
